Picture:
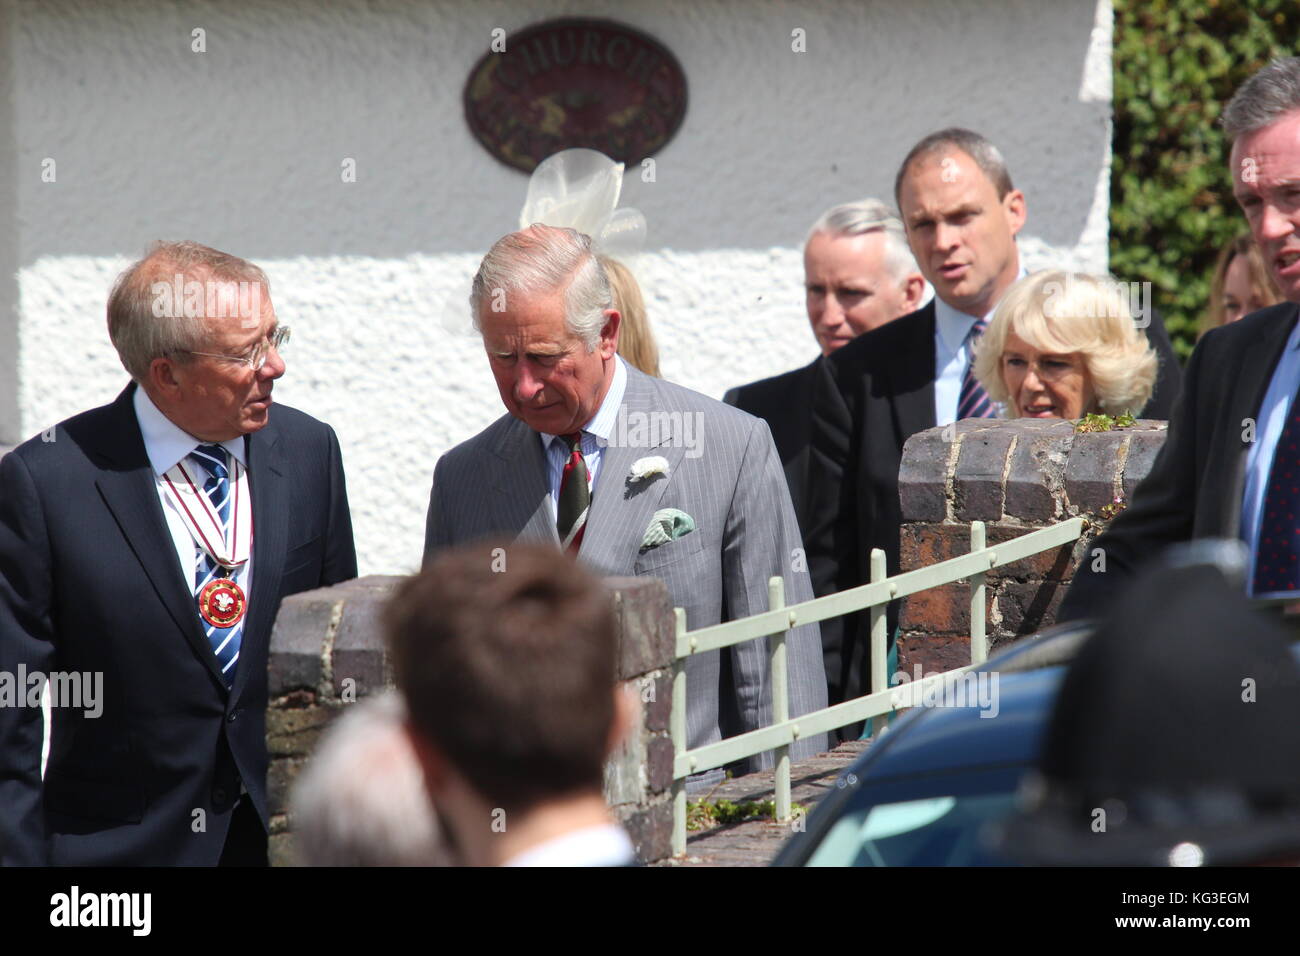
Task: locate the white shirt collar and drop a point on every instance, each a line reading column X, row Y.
column 604, row 845
column 606, row 417
column 953, row 326
column 165, row 442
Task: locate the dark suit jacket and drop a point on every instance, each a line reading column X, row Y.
column 785, row 403
column 1194, row 489
column 872, row 395
column 89, row 582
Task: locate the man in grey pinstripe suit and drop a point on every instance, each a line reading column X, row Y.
column 714, row 484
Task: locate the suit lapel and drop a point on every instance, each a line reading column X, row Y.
column 1258, row 360
column 521, row 488
column 129, row 491
column 621, row 510
column 270, row 527
column 912, row 380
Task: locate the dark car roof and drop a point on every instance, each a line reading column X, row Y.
column 952, row 738
column 941, row 742
column 940, row 738
column 957, row 738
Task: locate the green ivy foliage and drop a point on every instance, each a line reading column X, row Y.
column 1176, row 64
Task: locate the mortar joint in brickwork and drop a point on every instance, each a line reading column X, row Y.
column 950, row 480
column 326, row 689
column 1121, row 459
column 1006, row 476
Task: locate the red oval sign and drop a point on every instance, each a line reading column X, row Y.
column 575, row 82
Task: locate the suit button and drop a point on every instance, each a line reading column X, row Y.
column 230, row 717
column 219, row 795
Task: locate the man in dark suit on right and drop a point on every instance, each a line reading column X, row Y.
column 962, row 215
column 1227, row 465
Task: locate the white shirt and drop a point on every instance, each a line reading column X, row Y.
column 595, row 436
column 166, row 444
column 605, row 845
column 952, row 354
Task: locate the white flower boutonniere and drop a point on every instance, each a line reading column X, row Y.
column 645, row 468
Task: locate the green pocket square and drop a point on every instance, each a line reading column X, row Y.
column 668, row 524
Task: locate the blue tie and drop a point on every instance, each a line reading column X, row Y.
column 1277, row 560
column 973, row 402
column 224, row 640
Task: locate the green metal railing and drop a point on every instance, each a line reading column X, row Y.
column 779, row 619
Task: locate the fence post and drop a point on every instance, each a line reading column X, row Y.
column 879, row 623
column 780, row 699
column 979, row 649
column 677, row 730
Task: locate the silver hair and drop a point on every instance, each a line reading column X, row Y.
column 543, row 259
column 1264, row 98
column 980, row 149
column 866, row 216
column 138, row 332
column 361, row 800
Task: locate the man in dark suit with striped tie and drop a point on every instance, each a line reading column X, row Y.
column 962, row 215
column 144, row 550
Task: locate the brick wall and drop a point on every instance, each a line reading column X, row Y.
column 1015, row 476
column 327, row 651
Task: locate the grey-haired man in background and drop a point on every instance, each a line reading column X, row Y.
column 858, row 275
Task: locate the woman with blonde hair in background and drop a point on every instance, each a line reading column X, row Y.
column 1242, row 284
column 1063, row 345
column 636, row 343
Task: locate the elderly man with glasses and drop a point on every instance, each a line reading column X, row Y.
column 145, row 547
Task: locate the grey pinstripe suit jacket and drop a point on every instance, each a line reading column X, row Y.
column 729, row 480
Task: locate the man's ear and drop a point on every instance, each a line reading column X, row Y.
column 913, row 289
column 162, row 378
column 1017, row 213
column 626, row 703
column 609, row 334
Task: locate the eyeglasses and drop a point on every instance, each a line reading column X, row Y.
column 261, row 351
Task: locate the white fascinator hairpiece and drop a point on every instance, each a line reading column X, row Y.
column 579, row 189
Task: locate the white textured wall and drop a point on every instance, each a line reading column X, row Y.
column 240, row 147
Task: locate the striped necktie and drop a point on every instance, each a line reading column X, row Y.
column 575, row 496
column 225, row 641
column 974, row 401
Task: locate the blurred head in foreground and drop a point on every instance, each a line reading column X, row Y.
column 1174, row 739
column 504, row 653
column 361, row 801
